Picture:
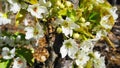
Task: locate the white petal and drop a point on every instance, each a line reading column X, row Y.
column 12, row 51
column 43, row 9
column 66, row 31
column 77, row 62
column 71, row 32
column 74, row 26
column 4, row 21
column 113, row 12
column 5, row 52
column 15, row 7
column 7, row 57
column 40, row 10
column 25, row 22
column 29, row 36
column 10, row 1
column 6, row 49
column 63, row 51
column 72, row 51
column 97, row 54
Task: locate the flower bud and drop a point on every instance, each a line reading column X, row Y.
column 68, row 4
column 76, row 35
column 59, row 30
column 82, row 19
column 62, row 6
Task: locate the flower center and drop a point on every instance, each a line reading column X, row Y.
column 20, row 61
column 8, row 53
column 68, row 45
column 35, row 9
column 36, row 31
column 65, row 24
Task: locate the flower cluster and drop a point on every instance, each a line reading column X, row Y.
column 26, row 27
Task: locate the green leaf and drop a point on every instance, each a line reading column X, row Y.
column 31, row 1
column 89, row 64
column 62, row 12
column 5, row 63
column 71, row 14
column 53, row 2
column 20, row 16
column 26, row 54
column 94, row 17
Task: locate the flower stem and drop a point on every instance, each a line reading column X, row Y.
column 109, row 42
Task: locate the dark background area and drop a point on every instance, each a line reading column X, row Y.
column 112, row 2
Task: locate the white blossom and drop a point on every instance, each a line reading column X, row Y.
column 69, row 47
column 34, row 32
column 67, row 26
column 4, row 20
column 105, row 22
column 37, row 10
column 7, row 53
column 19, row 63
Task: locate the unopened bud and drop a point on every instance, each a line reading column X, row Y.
column 59, row 30
column 82, row 19
column 76, row 35
column 68, row 4
column 62, row 6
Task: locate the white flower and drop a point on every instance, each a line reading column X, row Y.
column 67, row 26
column 67, row 31
column 34, row 32
column 4, row 20
column 113, row 12
column 99, row 62
column 7, row 53
column 81, row 58
column 69, row 47
column 14, row 6
column 37, row 10
column 19, row 63
column 105, row 22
